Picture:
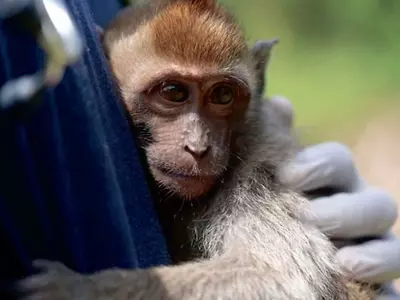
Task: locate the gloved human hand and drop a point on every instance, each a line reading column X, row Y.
column 356, row 216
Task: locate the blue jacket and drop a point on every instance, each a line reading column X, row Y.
column 71, row 184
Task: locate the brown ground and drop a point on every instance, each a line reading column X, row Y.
column 377, row 155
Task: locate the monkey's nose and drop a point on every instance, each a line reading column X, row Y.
column 197, row 151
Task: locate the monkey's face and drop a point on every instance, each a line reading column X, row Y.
column 190, row 121
column 184, row 72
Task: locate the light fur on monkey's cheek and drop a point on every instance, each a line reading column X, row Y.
column 188, row 187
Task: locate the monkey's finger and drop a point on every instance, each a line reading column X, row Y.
column 45, row 264
column 371, row 212
column 32, row 283
column 41, row 296
column 51, row 266
column 322, row 166
column 376, row 261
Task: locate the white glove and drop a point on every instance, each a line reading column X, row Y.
column 355, row 211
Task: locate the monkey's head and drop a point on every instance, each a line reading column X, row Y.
column 186, row 74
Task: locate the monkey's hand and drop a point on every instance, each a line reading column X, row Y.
column 56, row 282
column 219, row 279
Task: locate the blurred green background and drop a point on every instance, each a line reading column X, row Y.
column 339, row 64
column 337, row 61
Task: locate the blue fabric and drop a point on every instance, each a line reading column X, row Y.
column 71, row 184
column 104, row 11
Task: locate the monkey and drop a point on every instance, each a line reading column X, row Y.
column 214, row 149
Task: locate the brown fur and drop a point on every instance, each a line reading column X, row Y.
column 358, row 291
column 199, row 33
column 243, row 238
column 199, row 36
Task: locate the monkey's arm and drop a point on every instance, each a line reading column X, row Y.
column 220, row 279
column 254, row 253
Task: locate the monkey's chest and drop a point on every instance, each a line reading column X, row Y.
column 177, row 222
column 179, row 242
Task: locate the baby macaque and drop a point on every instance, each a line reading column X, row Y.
column 214, row 150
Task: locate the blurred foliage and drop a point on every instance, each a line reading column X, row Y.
column 338, row 61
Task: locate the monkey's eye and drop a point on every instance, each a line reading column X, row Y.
column 174, row 92
column 222, row 94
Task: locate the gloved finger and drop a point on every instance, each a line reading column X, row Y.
column 320, row 166
column 376, row 261
column 371, row 212
column 388, row 297
column 387, row 291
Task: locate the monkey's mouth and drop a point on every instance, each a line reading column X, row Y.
column 187, row 185
column 180, row 175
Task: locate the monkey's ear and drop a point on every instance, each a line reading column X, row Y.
column 261, row 54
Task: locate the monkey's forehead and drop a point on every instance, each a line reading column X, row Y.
column 197, row 46
column 185, row 33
